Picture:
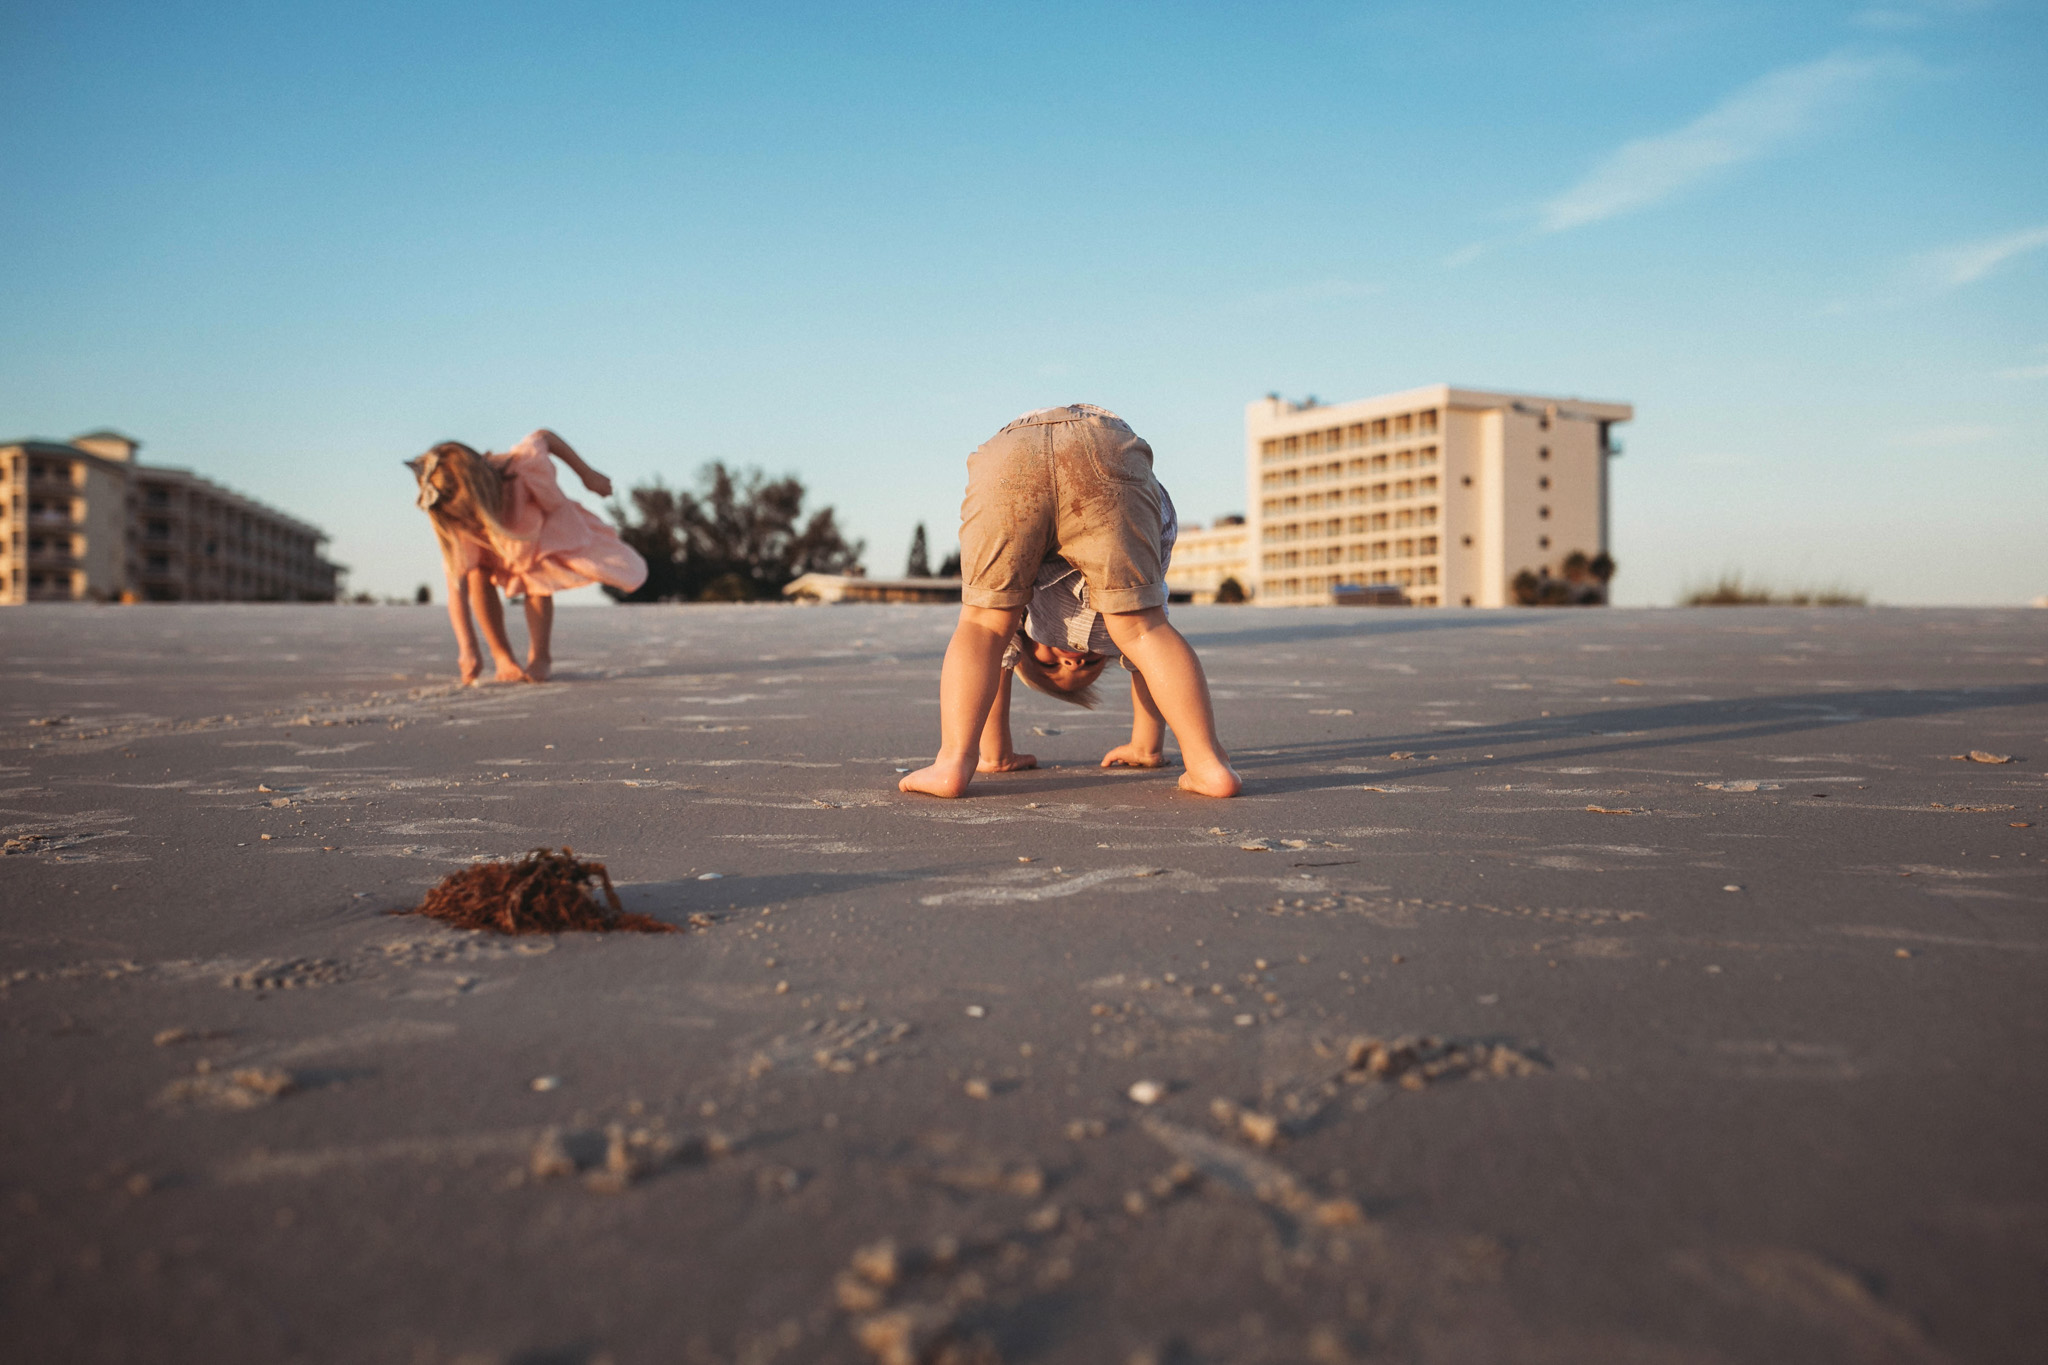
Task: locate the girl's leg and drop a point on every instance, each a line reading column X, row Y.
column 1147, row 748
column 998, row 754
column 540, row 636
column 967, row 690
column 1179, row 689
column 468, row 663
column 490, row 612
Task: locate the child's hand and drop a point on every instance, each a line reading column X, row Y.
column 1131, row 756
column 597, row 483
column 1006, row 763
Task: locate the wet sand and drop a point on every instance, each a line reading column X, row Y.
column 1567, row 986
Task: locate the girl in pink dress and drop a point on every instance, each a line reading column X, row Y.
column 503, row 522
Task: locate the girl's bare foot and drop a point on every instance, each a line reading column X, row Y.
column 945, row 777
column 469, row 668
column 1131, row 756
column 538, row 667
column 1212, row 778
column 510, row 671
column 1008, row 763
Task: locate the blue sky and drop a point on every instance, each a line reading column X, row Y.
column 289, row 245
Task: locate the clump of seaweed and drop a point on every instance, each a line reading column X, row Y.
column 545, row 892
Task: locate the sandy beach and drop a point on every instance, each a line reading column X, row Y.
column 1574, row 986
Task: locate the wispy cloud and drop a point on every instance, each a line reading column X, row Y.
column 1915, row 13
column 1972, row 261
column 1766, row 116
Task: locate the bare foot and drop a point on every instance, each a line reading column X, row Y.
column 1213, row 778
column 1131, row 756
column 469, row 668
column 538, row 667
column 1009, row 763
column 942, row 778
column 510, row 671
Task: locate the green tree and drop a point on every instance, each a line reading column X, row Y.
column 740, row 537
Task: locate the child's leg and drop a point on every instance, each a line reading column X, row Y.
column 998, row 754
column 1147, row 748
column 1181, row 691
column 469, row 665
column 540, row 636
column 967, row 689
column 490, row 612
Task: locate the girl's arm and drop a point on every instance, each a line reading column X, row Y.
column 998, row 755
column 561, row 450
column 1147, row 748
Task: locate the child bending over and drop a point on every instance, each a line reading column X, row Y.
column 1058, row 495
column 503, row 522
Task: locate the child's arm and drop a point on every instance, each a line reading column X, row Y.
column 561, row 450
column 998, row 754
column 1147, row 748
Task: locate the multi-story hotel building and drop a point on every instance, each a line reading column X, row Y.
column 1443, row 493
column 83, row 521
column 1205, row 556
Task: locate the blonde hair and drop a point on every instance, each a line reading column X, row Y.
column 460, row 491
column 1034, row 676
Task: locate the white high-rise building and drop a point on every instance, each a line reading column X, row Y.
column 1445, row 494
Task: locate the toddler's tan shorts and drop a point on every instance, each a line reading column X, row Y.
column 1073, row 481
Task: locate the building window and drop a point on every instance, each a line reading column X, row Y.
column 1428, row 547
column 1543, row 452
column 1543, row 542
column 1269, row 448
column 1355, row 434
column 1405, row 489
column 1465, row 481
column 1404, row 424
column 1468, row 545
column 1543, row 482
column 1468, row 600
column 1291, row 444
column 1543, row 513
column 1427, row 485
column 1426, row 422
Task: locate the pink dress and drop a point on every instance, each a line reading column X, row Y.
column 561, row 544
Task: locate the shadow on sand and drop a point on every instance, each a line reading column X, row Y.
column 1634, row 729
